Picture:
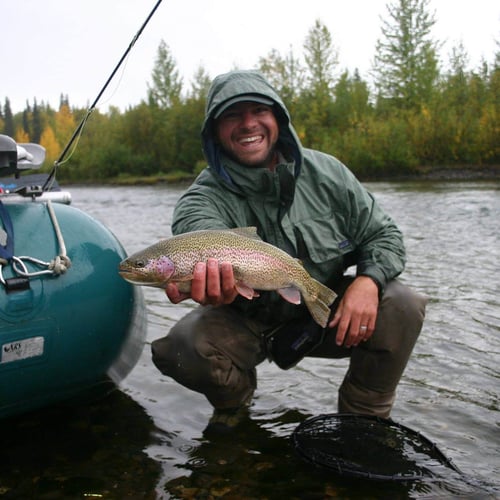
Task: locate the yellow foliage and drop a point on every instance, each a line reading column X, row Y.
column 49, row 142
column 301, row 132
column 64, row 123
column 426, row 112
column 21, row 136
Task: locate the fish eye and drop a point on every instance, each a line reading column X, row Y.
column 140, row 263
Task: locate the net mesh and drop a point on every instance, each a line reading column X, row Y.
column 370, row 447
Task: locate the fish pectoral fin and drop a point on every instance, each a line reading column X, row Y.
column 290, row 294
column 246, row 291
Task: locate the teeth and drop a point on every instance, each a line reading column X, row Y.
column 250, row 139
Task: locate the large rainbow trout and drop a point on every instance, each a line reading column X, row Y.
column 256, row 265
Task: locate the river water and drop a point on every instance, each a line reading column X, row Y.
column 146, row 441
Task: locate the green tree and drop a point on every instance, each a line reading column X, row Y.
column 190, row 154
column 166, row 87
column 315, row 112
column 321, row 59
column 285, row 73
column 437, row 125
column 490, row 121
column 139, row 132
column 200, row 84
column 63, row 101
column 36, row 124
column 406, row 65
column 9, row 127
column 27, row 119
column 352, row 101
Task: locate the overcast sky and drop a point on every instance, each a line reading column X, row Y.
column 54, row 47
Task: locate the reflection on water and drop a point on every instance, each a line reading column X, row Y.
column 149, row 442
column 91, row 450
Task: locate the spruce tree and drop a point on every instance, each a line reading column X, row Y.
column 406, row 65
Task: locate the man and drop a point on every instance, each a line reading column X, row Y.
column 310, row 205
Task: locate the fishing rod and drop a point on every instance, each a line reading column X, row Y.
column 50, row 179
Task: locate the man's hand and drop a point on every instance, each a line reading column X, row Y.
column 211, row 284
column 357, row 312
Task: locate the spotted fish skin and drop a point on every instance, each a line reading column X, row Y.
column 257, row 265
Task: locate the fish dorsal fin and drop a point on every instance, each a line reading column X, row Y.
column 248, row 232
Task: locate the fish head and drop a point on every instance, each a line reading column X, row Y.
column 148, row 271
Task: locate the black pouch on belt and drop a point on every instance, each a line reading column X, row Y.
column 288, row 344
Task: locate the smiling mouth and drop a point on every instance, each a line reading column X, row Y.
column 251, row 140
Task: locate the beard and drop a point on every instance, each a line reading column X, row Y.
column 268, row 161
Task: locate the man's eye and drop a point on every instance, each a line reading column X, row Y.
column 229, row 115
column 263, row 109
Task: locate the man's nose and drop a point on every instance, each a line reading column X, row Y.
column 248, row 119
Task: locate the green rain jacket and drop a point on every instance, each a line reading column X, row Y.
column 311, row 206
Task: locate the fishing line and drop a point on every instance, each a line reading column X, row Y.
column 87, row 116
column 76, row 140
column 79, row 129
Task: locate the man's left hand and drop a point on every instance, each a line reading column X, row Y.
column 356, row 314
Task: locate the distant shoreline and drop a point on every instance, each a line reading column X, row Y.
column 423, row 174
column 463, row 173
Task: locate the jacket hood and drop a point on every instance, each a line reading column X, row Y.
column 229, row 88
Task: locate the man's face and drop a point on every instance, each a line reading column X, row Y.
column 248, row 132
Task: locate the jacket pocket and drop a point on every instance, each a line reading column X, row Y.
column 321, row 241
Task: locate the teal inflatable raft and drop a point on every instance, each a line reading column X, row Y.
column 69, row 323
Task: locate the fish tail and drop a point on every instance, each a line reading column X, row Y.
column 319, row 303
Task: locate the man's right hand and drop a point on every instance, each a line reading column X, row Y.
column 211, row 284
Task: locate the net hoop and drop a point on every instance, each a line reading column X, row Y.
column 368, row 447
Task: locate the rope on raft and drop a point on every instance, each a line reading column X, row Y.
column 57, row 266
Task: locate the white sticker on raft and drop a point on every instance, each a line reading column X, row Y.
column 22, row 349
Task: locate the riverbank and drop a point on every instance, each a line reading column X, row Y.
column 461, row 173
column 424, row 174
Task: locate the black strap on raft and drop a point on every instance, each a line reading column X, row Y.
column 7, row 253
column 7, row 248
column 78, row 130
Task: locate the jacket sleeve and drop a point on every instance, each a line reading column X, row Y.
column 380, row 251
column 202, row 207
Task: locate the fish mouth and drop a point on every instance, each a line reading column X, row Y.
column 134, row 278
